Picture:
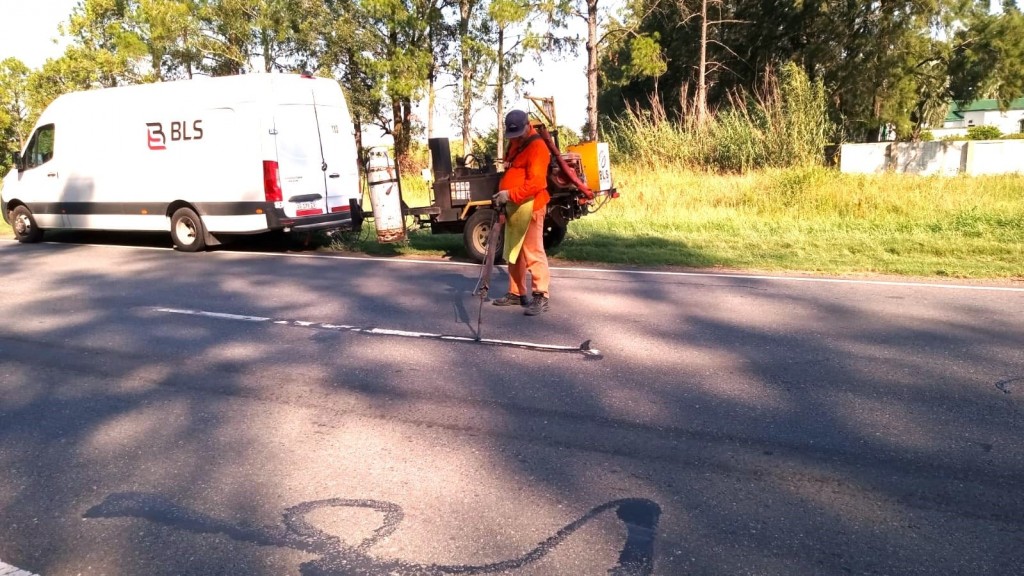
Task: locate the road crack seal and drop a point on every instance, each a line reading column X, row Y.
column 1007, row 386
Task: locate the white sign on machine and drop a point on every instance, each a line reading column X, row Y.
column 604, row 166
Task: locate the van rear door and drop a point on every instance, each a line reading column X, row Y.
column 300, row 160
column 339, row 155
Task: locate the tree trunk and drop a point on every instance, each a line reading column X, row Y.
column 431, row 104
column 700, row 106
column 398, row 129
column 401, row 109
column 431, row 95
column 592, row 62
column 268, row 60
column 358, row 124
column 499, row 93
column 465, row 11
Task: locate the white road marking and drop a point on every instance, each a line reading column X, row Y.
column 764, row 277
column 8, row 570
column 584, row 348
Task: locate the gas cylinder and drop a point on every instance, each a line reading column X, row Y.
column 384, row 196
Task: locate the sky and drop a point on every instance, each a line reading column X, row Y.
column 28, row 31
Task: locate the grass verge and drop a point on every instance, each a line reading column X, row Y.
column 788, row 220
column 807, row 220
column 814, row 220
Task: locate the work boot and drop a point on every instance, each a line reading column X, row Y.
column 538, row 305
column 510, row 299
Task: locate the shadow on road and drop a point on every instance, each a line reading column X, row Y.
column 825, row 434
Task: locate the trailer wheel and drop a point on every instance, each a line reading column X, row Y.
column 187, row 230
column 554, row 233
column 24, row 225
column 474, row 235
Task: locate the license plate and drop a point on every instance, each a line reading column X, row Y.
column 306, row 206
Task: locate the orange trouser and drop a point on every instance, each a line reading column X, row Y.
column 531, row 259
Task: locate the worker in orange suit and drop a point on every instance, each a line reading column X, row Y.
column 523, row 194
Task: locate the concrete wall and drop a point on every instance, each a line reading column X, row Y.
column 995, row 157
column 928, row 158
column 864, row 158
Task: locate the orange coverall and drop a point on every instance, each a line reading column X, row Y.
column 525, row 178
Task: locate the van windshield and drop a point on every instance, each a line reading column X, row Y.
column 40, row 148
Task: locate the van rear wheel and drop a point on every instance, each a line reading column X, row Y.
column 24, row 225
column 187, row 230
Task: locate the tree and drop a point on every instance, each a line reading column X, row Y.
column 102, row 40
column 895, row 62
column 988, row 58
column 15, row 121
column 474, row 56
column 384, row 50
column 524, row 27
column 593, row 57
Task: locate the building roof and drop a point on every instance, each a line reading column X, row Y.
column 956, row 112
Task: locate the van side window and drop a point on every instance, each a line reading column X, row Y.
column 40, row 147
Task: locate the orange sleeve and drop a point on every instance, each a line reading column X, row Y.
column 535, row 161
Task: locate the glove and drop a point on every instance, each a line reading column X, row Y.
column 501, row 198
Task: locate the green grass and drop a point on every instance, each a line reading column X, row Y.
column 807, row 220
column 798, row 219
column 811, row 219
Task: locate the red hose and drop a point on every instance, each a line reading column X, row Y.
column 583, row 188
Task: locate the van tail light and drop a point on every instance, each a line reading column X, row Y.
column 271, row 182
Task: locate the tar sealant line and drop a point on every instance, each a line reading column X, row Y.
column 584, row 348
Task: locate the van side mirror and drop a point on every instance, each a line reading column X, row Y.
column 17, row 161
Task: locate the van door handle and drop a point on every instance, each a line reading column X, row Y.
column 51, row 174
column 335, row 176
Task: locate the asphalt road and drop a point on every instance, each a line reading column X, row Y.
column 735, row 424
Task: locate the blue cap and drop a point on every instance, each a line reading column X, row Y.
column 516, row 123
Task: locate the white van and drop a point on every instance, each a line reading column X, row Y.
column 199, row 158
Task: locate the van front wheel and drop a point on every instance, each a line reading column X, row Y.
column 24, row 225
column 187, row 230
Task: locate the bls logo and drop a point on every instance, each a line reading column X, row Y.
column 157, row 138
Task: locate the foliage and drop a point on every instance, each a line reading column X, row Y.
column 384, row 50
column 988, row 58
column 14, row 112
column 785, row 123
column 984, row 133
column 416, row 160
column 893, row 63
column 877, row 64
column 522, row 28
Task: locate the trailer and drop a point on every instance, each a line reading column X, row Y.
column 579, row 183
